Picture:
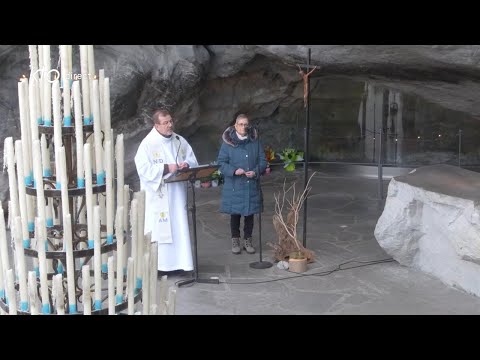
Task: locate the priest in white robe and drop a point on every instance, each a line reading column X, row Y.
column 160, row 154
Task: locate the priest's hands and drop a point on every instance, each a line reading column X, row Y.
column 172, row 168
column 183, row 165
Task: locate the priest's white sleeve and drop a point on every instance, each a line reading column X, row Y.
column 150, row 174
column 190, row 157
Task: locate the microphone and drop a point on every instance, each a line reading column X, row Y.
column 178, row 150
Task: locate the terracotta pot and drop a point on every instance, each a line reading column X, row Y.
column 297, row 265
column 206, row 184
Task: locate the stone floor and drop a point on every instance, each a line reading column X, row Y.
column 342, row 213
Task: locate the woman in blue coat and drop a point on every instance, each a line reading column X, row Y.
column 242, row 161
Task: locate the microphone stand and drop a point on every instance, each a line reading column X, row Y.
column 260, row 264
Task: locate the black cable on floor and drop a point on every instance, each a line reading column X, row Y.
column 322, row 273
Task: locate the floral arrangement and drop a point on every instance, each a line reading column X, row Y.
column 269, row 154
column 289, row 156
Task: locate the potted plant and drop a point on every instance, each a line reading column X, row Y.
column 297, row 262
column 288, row 205
column 289, row 156
column 205, row 182
column 217, row 178
column 270, row 156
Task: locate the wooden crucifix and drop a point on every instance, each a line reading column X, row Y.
column 305, row 83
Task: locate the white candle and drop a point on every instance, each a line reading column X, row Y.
column 153, row 274
column 57, row 293
column 101, row 80
column 37, row 172
column 70, row 60
column 97, row 128
column 120, row 158
column 22, row 197
column 131, row 286
column 62, row 177
column 68, row 244
column 106, row 119
column 89, row 193
column 32, row 52
column 134, row 234
column 97, row 259
column 11, row 293
column 111, row 286
column 78, row 134
column 20, row 264
column 109, row 190
column 87, row 113
column 47, row 172
column 163, row 294
column 141, row 235
column 120, row 255
column 12, row 177
column 47, row 87
column 39, row 82
column 126, row 203
column 57, row 127
column 3, row 244
column 63, row 64
column 67, row 112
column 32, row 292
column 2, row 280
column 146, row 284
column 40, row 233
column 87, row 305
column 25, row 129
column 34, row 113
column 49, row 213
column 91, row 61
column 172, row 294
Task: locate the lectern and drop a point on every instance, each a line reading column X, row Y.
column 192, row 174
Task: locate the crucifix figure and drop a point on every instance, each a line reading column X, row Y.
column 305, row 83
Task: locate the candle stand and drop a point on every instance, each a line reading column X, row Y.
column 55, row 233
